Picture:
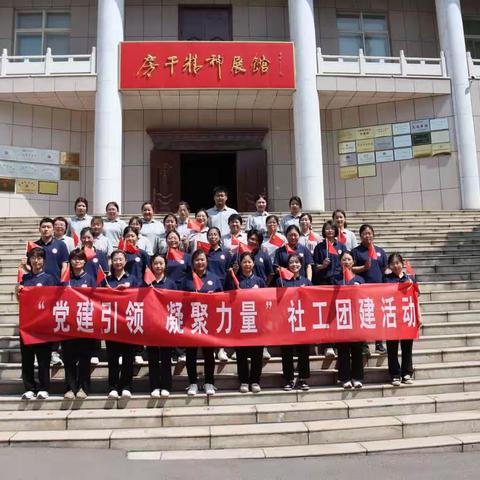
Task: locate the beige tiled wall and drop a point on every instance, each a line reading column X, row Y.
column 418, row 184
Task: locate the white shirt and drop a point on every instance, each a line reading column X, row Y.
column 197, row 237
column 219, row 218
column 102, row 243
column 288, row 220
column 143, row 243
column 227, row 240
column 351, row 239
column 257, row 221
column 113, row 230
column 152, row 230
column 307, row 243
column 77, row 224
column 68, row 241
column 183, row 230
column 269, row 248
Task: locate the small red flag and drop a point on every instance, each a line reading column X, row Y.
column 31, row 246
column 205, row 246
column 372, row 253
column 130, row 248
column 409, row 269
column 148, row 276
column 76, row 240
column 330, row 248
column 121, row 244
column 284, row 273
column 65, row 277
column 89, row 253
column 342, row 238
column 235, row 242
column 197, row 282
column 289, row 249
column 100, row 275
column 193, row 224
column 175, row 255
column 234, row 278
column 243, row 247
column 348, row 275
column 20, row 274
column 276, row 240
column 311, row 237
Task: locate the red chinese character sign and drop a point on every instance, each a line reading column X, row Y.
column 270, row 316
column 209, row 65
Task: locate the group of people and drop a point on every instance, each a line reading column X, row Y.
column 71, row 251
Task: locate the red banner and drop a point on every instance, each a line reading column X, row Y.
column 196, row 65
column 269, row 316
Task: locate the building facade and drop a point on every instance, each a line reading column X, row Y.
column 385, row 114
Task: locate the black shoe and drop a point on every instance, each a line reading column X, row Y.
column 289, row 386
column 379, row 348
column 302, row 385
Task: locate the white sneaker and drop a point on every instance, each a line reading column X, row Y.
column 28, row 395
column 113, row 394
column 209, row 389
column 407, row 379
column 42, row 395
column 233, row 356
column 329, row 352
column 266, row 354
column 164, row 393
column 55, row 360
column 396, row 382
column 138, row 360
column 69, row 395
column 155, row 393
column 244, row 388
column 192, row 390
column 222, row 355
column 126, row 393
column 347, row 385
column 81, row 394
column 181, row 359
column 357, row 384
column 94, row 361
column 120, row 360
column 256, row 388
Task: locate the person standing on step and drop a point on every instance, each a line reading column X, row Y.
column 257, row 220
column 308, row 238
column 143, row 243
column 201, row 217
column 219, row 214
column 151, row 228
column 100, row 241
column 370, row 263
column 113, row 226
column 399, row 374
column 120, row 378
column 345, row 236
column 60, row 226
column 273, row 239
column 292, row 218
column 350, row 358
column 77, row 352
column 170, row 225
column 81, row 219
column 203, row 281
column 37, row 277
column 160, row 358
column 296, row 279
column 245, row 279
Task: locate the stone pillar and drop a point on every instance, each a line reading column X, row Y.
column 108, row 107
column 306, row 107
column 452, row 41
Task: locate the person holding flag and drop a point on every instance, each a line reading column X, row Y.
column 178, row 262
column 370, row 264
column 159, row 358
column 272, row 240
column 291, row 277
column 345, row 236
column 218, row 258
column 169, row 225
column 246, row 278
column 95, row 258
column 81, row 219
column 232, row 240
column 292, row 246
column 120, row 378
column 36, row 277
column 400, row 374
column 183, row 217
column 308, row 238
column 198, row 231
column 350, row 359
column 202, row 281
column 263, row 265
column 60, row 225
column 100, row 241
column 113, row 225
column 77, row 352
column 257, row 220
column 143, row 243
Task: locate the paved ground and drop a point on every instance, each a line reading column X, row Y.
column 82, row 464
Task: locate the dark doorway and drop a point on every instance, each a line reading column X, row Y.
column 201, row 172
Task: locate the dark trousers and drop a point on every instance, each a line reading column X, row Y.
column 160, row 367
column 350, row 361
column 209, row 364
column 252, row 374
column 120, row 377
column 303, row 364
column 393, row 366
column 76, row 358
column 43, row 351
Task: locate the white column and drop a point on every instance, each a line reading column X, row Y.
column 108, row 106
column 306, row 108
column 452, row 41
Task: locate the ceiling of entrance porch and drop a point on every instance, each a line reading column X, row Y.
column 351, row 91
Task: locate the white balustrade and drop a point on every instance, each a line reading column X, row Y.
column 48, row 64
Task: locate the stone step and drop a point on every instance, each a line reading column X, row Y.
column 449, row 328
column 455, row 316
column 450, row 306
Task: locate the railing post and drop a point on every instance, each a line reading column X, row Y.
column 443, row 64
column 4, row 64
column 48, row 61
column 93, row 61
column 403, row 64
column 361, row 62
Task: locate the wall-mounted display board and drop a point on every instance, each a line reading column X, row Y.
column 359, row 148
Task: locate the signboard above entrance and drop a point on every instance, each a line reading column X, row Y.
column 206, row 65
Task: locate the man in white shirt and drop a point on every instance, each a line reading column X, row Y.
column 219, row 214
column 151, row 228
